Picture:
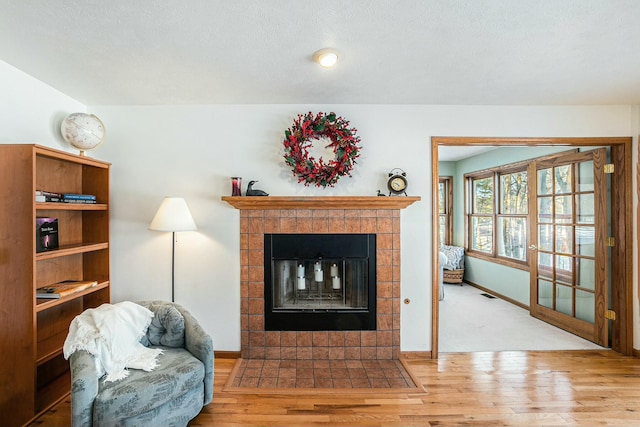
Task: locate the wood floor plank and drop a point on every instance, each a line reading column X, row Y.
column 466, row 389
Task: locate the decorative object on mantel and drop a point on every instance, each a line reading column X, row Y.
column 397, row 182
column 343, row 141
column 83, row 131
column 254, row 192
column 173, row 215
column 381, row 194
column 236, row 186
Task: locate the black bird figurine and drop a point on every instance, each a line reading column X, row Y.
column 252, row 192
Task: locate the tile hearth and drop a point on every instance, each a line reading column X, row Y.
column 316, row 374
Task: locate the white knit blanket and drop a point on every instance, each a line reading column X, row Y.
column 111, row 333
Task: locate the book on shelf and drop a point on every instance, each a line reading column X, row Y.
column 48, row 193
column 46, row 234
column 41, row 198
column 62, row 289
column 74, row 196
column 79, row 201
column 49, row 196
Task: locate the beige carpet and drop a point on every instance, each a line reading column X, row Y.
column 470, row 322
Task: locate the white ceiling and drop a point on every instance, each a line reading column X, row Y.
column 470, row 52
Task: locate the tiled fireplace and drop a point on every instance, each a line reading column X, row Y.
column 333, row 215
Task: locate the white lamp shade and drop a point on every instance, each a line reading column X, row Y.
column 173, row 215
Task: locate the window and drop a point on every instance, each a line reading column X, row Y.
column 497, row 212
column 445, row 209
column 512, row 216
column 482, row 214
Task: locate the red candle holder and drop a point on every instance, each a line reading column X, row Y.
column 236, row 185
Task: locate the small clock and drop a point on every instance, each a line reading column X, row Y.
column 397, row 182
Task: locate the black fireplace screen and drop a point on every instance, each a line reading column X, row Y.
column 320, row 282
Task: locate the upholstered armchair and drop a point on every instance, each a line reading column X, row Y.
column 454, row 265
column 170, row 395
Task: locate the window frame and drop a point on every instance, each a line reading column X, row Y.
column 495, row 174
column 448, row 209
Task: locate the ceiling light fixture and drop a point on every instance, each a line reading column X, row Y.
column 327, row 57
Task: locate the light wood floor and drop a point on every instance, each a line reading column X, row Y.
column 579, row 387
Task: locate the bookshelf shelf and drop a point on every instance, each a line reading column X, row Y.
column 71, row 206
column 34, row 374
column 72, row 250
column 44, row 304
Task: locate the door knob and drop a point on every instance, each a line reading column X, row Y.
column 533, row 247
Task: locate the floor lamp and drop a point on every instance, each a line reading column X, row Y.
column 173, row 215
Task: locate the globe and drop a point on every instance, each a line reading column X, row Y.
column 83, row 131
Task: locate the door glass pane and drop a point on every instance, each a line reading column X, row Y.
column 545, row 181
column 563, row 179
column 586, row 273
column 585, row 176
column 585, row 209
column 512, row 237
column 483, row 195
column 564, row 239
column 564, row 269
column 513, row 188
column 545, row 294
column 545, row 265
column 585, row 306
column 564, row 209
column 482, row 233
column 545, row 209
column 585, row 241
column 545, row 237
column 564, row 299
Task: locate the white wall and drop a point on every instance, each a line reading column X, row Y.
column 192, row 152
column 30, row 111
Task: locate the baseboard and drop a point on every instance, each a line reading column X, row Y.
column 227, row 354
column 635, row 353
column 496, row 294
column 413, row 355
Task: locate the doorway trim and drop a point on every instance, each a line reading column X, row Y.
column 621, row 220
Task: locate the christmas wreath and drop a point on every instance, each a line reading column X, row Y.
column 342, row 139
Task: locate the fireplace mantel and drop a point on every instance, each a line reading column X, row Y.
column 319, row 202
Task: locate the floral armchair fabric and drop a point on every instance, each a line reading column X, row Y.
column 454, row 256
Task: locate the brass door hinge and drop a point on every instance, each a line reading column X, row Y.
column 610, row 242
column 610, row 315
column 609, row 168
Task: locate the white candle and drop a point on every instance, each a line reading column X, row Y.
column 334, row 270
column 317, row 266
column 300, row 270
column 318, row 276
column 335, row 280
column 301, row 284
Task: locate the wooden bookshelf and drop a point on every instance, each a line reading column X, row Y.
column 34, row 375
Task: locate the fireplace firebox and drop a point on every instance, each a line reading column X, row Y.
column 320, row 282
